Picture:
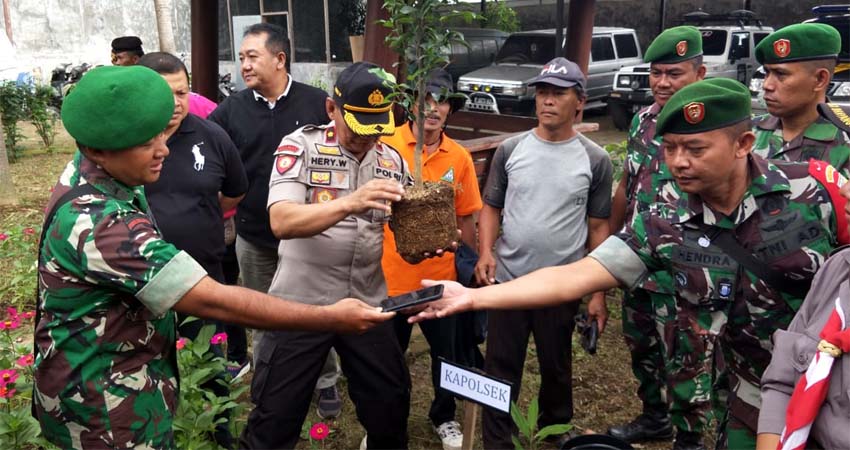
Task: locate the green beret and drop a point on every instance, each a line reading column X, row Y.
column 674, row 45
column 799, row 42
column 116, row 107
column 704, row 106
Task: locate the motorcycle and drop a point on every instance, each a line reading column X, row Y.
column 225, row 87
column 63, row 78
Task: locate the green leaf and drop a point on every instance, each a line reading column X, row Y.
column 550, row 430
column 533, row 413
column 517, row 443
column 519, row 420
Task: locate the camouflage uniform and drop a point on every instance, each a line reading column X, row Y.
column 821, row 140
column 106, row 372
column 649, row 310
column 787, row 219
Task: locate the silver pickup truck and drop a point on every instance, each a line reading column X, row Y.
column 503, row 86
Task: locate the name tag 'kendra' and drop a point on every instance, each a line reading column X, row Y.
column 475, row 387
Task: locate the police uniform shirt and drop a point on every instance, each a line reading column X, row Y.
column 202, row 162
column 344, row 260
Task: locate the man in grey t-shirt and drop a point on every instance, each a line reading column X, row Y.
column 553, row 188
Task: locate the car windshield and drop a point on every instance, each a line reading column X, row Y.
column 842, row 24
column 524, row 49
column 713, row 42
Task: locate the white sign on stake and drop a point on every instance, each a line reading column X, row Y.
column 475, row 386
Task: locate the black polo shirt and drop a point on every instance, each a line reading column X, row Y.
column 184, row 201
column 257, row 131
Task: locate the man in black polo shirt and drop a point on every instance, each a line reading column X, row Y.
column 201, row 177
column 256, row 119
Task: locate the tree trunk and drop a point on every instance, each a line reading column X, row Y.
column 165, row 25
column 8, row 196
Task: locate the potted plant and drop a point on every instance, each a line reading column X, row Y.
column 353, row 14
column 424, row 219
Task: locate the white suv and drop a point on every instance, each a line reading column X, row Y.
column 728, row 52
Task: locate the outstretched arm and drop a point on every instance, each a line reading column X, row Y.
column 544, row 287
column 233, row 304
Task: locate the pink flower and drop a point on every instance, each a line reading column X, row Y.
column 218, row 338
column 28, row 314
column 3, row 237
column 25, row 360
column 319, row 431
column 8, row 376
column 10, row 323
column 6, row 392
column 12, row 312
column 29, row 231
column 181, row 343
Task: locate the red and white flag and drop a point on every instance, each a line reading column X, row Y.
column 811, row 389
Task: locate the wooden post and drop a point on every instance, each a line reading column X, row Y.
column 376, row 50
column 204, row 49
column 471, row 412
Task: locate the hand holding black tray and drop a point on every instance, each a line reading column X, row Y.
column 424, row 295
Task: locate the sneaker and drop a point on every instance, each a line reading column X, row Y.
column 329, row 405
column 363, row 442
column 450, row 435
column 237, row 370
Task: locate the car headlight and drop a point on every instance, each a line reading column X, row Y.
column 464, row 85
column 516, row 91
column 756, row 85
column 842, row 90
column 624, row 81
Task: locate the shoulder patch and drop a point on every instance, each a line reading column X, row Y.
column 289, row 149
column 284, row 162
column 832, row 180
column 138, row 222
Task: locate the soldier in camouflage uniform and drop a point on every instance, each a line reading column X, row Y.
column 789, row 216
column 105, row 368
column 798, row 62
column 676, row 60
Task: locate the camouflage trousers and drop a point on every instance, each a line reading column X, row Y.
column 649, row 326
column 642, row 329
column 697, row 376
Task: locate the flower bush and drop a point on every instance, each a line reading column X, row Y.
column 18, row 429
column 18, row 252
column 199, row 410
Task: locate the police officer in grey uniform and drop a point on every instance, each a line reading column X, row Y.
column 329, row 197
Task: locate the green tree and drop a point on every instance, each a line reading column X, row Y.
column 500, row 16
column 419, row 32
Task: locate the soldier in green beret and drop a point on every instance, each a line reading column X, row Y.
column 109, row 285
column 799, row 61
column 742, row 244
column 676, row 60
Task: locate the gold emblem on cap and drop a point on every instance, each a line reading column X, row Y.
column 682, row 48
column 782, row 48
column 337, row 92
column 376, row 98
column 694, row 112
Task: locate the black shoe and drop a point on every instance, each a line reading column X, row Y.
column 688, row 440
column 643, row 428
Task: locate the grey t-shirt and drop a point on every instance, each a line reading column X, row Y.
column 546, row 191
